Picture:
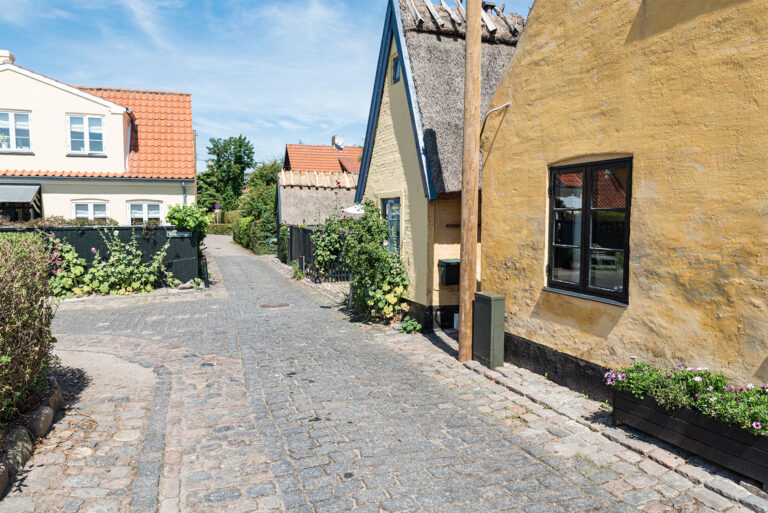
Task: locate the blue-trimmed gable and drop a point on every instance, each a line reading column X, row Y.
column 393, row 29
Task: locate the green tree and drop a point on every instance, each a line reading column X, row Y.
column 224, row 179
column 265, row 173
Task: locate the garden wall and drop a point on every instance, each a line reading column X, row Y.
column 181, row 258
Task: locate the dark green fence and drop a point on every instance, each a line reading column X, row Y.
column 180, row 259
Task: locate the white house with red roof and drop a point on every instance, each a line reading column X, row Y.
column 91, row 152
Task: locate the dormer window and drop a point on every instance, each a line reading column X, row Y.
column 15, row 132
column 86, row 135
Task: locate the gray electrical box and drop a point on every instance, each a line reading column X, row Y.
column 488, row 334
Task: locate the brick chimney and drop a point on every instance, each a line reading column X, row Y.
column 6, row 57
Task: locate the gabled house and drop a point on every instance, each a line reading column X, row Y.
column 315, row 180
column 624, row 201
column 412, row 161
column 91, row 152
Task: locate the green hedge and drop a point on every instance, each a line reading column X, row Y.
column 250, row 235
column 219, row 229
column 26, row 343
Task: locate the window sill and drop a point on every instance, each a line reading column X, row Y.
column 91, row 155
column 16, row 152
column 580, row 295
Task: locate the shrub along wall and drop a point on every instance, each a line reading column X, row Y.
column 25, row 322
column 219, row 229
column 249, row 233
column 180, row 259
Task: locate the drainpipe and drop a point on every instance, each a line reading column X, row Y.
column 184, row 189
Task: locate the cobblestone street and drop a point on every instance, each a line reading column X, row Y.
column 258, row 396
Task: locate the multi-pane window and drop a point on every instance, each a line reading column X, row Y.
column 15, row 131
column 391, row 210
column 589, row 244
column 89, row 210
column 143, row 212
column 86, row 134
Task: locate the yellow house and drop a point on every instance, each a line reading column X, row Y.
column 624, row 201
column 411, row 165
column 91, row 152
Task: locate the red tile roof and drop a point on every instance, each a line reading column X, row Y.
column 323, row 159
column 608, row 192
column 162, row 143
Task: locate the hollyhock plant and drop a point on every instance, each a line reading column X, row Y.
column 700, row 389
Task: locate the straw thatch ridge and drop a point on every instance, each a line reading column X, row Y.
column 437, row 61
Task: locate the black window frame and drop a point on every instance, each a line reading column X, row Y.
column 396, row 70
column 585, row 244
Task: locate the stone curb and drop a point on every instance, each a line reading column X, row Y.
column 718, row 485
column 20, row 440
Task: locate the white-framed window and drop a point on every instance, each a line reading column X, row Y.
column 143, row 211
column 89, row 210
column 15, row 131
column 86, row 134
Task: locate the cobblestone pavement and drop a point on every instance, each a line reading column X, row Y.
column 256, row 407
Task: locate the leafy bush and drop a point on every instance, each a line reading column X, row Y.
column 329, row 240
column 123, row 272
column 67, row 268
column 232, row 217
column 219, row 229
column 26, row 343
column 50, row 222
column 250, row 234
column 283, row 244
column 298, row 274
column 190, row 218
column 698, row 389
column 410, row 325
column 379, row 279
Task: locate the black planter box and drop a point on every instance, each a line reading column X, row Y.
column 729, row 446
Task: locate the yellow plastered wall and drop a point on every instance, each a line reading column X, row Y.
column 394, row 173
column 682, row 87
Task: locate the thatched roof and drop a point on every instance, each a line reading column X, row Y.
column 437, row 60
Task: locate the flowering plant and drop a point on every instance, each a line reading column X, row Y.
column 67, row 268
column 698, row 389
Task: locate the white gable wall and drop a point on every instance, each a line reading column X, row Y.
column 49, row 105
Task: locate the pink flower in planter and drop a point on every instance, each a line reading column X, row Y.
column 729, row 389
column 710, row 388
column 57, row 243
column 93, row 250
column 622, row 377
column 50, row 235
column 741, row 389
column 689, row 369
column 750, row 386
column 698, row 378
column 713, row 399
column 757, row 425
column 697, row 395
column 701, row 368
column 55, row 251
column 55, row 271
column 678, row 365
column 714, row 412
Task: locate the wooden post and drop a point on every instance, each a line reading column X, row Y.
column 470, row 177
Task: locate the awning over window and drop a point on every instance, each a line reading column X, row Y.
column 18, row 193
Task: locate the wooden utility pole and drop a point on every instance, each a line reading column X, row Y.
column 470, row 177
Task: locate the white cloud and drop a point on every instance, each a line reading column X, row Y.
column 22, row 12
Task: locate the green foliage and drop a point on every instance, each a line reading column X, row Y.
column 67, row 268
column 122, row 271
column 220, row 229
column 265, row 173
column 329, row 240
column 26, row 343
column 699, row 389
column 223, row 181
column 298, row 274
column 251, row 234
column 283, row 242
column 50, row 222
column 379, row 279
column 410, row 325
column 190, row 218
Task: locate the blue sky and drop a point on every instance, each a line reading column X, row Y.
column 276, row 71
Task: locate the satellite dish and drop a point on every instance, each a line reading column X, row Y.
column 338, row 141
